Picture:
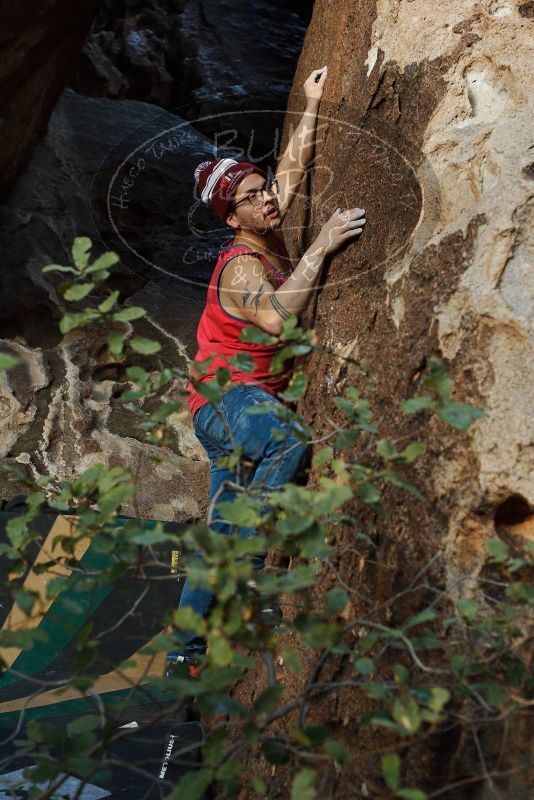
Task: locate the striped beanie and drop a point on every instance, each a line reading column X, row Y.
column 217, row 182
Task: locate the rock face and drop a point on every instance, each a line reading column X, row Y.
column 173, row 51
column 39, row 50
column 441, row 160
column 425, row 124
column 63, row 411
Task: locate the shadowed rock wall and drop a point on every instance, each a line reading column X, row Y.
column 40, row 44
column 60, row 409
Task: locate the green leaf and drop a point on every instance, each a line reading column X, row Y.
column 401, row 674
column 423, row 616
column 77, row 320
column 80, row 250
column 79, row 291
column 331, row 496
column 268, row 699
column 192, row 785
column 103, row 262
column 385, row 449
column 106, row 306
column 292, row 660
column 115, row 342
column 337, row 751
column 390, row 476
column 254, row 335
column 376, row 691
column 413, row 451
column 391, row 770
column 336, row 600
column 412, row 794
column 112, row 500
column 497, row 550
column 144, row 346
column 186, row 619
column 415, row 404
column 275, row 752
column 147, row 537
column 458, row 663
column 242, row 511
column 137, row 375
column 520, row 592
column 438, row 380
column 346, row 439
column 222, row 376
column 302, row 787
column 365, row 665
column 316, row 734
column 25, row 600
column 219, row 649
column 368, row 492
column 290, row 329
column 128, row 314
column 467, row 608
column 287, row 352
column 438, row 698
column 83, row 724
column 405, row 712
column 59, row 268
column 258, row 786
column 296, row 388
column 243, row 362
column 100, row 276
column 23, row 639
column 212, row 751
column 459, row 415
column 210, row 390
column 494, row 693
column 229, row 770
column 7, row 361
column 323, row 456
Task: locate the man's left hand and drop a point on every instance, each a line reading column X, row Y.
column 314, row 84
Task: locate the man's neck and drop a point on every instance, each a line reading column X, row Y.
column 260, row 240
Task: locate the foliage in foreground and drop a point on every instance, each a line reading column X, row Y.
column 449, row 667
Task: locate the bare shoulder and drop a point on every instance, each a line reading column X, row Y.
column 246, row 268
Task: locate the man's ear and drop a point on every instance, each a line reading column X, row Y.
column 232, row 220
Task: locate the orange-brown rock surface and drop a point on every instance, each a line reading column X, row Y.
column 426, row 123
column 426, row 126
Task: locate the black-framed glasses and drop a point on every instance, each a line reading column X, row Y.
column 255, row 196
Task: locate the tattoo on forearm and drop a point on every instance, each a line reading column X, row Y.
column 278, row 307
column 256, row 300
column 246, row 294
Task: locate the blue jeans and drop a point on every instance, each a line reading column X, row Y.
column 275, row 462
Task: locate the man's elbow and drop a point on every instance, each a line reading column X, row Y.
column 275, row 328
column 270, row 322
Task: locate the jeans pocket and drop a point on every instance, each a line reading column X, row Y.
column 211, row 423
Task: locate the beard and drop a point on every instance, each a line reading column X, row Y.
column 266, row 223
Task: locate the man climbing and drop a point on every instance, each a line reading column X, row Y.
column 253, row 283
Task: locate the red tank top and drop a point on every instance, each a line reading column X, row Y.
column 218, row 335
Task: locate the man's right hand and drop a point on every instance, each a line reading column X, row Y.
column 344, row 224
